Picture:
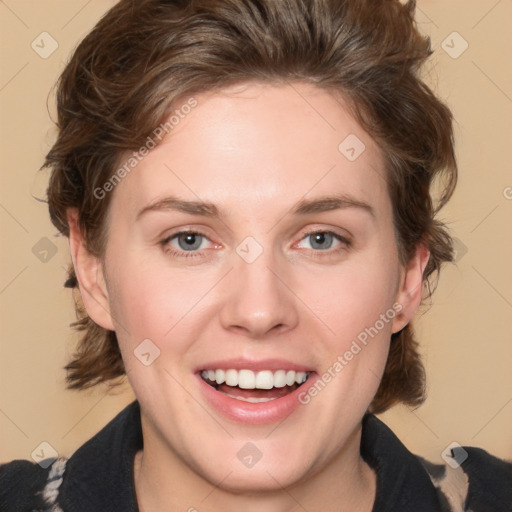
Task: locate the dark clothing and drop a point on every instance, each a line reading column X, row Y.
column 98, row 477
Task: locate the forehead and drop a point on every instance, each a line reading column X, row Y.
column 259, row 146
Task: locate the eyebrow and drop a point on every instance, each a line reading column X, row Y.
column 335, row 202
column 180, row 205
column 303, row 207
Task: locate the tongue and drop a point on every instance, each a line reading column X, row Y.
column 255, row 393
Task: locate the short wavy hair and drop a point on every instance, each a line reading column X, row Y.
column 143, row 56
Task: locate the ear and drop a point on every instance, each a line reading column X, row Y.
column 89, row 273
column 411, row 287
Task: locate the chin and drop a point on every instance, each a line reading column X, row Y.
column 237, row 476
column 256, row 481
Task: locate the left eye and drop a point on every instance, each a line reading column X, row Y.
column 320, row 240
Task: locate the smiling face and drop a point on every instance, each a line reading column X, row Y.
column 249, row 240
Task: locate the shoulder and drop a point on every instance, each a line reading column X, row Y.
column 27, row 486
column 472, row 480
column 469, row 480
column 97, row 476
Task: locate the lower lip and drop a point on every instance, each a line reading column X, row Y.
column 255, row 413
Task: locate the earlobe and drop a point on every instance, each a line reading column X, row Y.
column 89, row 273
column 411, row 287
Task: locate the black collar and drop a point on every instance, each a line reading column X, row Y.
column 99, row 475
column 403, row 484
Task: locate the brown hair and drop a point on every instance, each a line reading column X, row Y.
column 144, row 56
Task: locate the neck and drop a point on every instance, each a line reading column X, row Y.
column 164, row 483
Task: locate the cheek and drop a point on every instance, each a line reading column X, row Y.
column 149, row 301
column 151, row 304
column 353, row 297
column 356, row 304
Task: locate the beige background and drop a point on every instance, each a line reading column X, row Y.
column 465, row 334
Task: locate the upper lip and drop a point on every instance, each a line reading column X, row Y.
column 249, row 364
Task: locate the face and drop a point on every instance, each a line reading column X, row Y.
column 250, row 250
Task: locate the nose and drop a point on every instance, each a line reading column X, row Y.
column 258, row 301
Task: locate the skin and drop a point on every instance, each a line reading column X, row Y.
column 255, row 152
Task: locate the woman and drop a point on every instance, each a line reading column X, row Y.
column 247, row 191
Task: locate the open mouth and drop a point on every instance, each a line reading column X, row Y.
column 254, row 387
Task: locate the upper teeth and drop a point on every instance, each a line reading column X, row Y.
column 247, row 379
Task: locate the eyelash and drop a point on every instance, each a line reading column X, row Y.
column 345, row 244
